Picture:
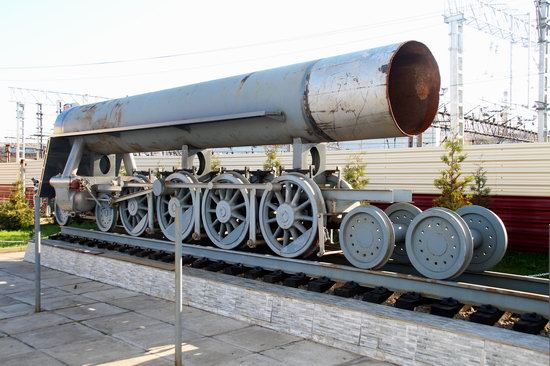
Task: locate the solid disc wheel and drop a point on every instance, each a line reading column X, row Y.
column 226, row 212
column 367, row 237
column 133, row 211
column 289, row 217
column 167, row 205
column 490, row 237
column 106, row 216
column 401, row 213
column 439, row 243
column 62, row 217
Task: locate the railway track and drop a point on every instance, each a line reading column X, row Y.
column 490, row 293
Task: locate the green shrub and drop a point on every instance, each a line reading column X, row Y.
column 354, row 172
column 15, row 213
column 215, row 163
column 271, row 160
column 480, row 191
column 451, row 183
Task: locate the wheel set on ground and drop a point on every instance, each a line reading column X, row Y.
column 439, row 243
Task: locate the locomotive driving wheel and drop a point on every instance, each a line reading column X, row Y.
column 62, row 217
column 167, row 205
column 133, row 211
column 106, row 216
column 226, row 212
column 289, row 217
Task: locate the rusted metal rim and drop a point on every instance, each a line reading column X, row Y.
column 413, row 83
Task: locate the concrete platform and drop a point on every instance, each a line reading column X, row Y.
column 90, row 323
column 380, row 332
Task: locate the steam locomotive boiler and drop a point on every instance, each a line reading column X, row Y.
column 384, row 92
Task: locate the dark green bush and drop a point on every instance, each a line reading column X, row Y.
column 15, row 213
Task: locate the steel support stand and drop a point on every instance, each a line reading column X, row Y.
column 177, row 262
column 37, row 250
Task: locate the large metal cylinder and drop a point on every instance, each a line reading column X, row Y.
column 389, row 91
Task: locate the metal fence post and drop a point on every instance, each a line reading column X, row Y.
column 37, row 250
column 177, row 262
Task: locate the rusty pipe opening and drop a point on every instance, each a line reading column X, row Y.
column 413, row 87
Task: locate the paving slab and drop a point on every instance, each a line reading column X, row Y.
column 210, row 351
column 64, row 280
column 58, row 335
column 10, row 284
column 306, row 352
column 31, row 358
column 256, row 339
column 66, row 301
column 254, row 359
column 18, row 309
column 28, row 296
column 141, row 302
column 94, row 351
column 90, row 311
column 120, row 322
column 6, row 300
column 211, row 324
column 366, row 361
column 10, row 346
column 83, row 287
column 145, row 360
column 156, row 335
column 110, row 294
column 31, row 322
column 166, row 312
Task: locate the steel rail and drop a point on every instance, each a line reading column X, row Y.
column 468, row 293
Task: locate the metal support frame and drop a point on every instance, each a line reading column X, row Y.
column 456, row 106
column 542, row 102
column 20, row 116
column 37, row 252
column 187, row 156
column 300, row 152
column 177, row 285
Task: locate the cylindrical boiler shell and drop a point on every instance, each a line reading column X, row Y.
column 389, row 91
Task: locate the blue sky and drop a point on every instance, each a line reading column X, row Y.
column 225, row 37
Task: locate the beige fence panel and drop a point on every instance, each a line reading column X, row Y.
column 512, row 169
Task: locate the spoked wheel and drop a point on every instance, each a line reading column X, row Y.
column 489, row 234
column 439, row 243
column 226, row 212
column 289, row 218
column 133, row 211
column 401, row 215
column 106, row 216
column 62, row 217
column 167, row 205
column 367, row 237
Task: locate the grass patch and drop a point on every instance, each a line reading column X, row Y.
column 19, row 238
column 523, row 263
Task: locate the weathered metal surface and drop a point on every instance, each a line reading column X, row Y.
column 383, row 92
column 506, row 299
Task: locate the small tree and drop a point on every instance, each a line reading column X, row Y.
column 451, row 183
column 215, row 163
column 271, row 160
column 354, row 172
column 15, row 213
column 480, row 191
